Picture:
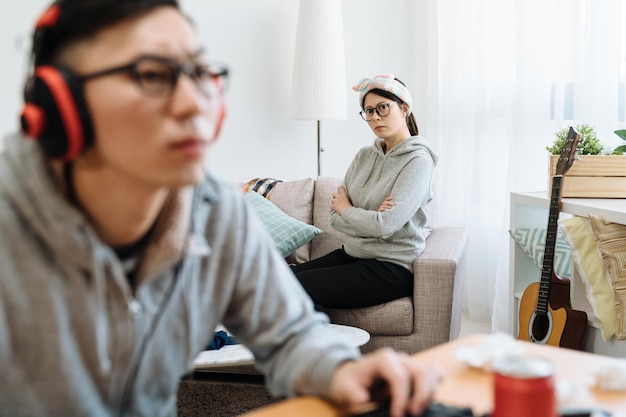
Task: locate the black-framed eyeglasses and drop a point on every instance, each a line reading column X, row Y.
column 158, row 76
column 382, row 110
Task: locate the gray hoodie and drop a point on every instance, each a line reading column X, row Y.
column 396, row 235
column 77, row 340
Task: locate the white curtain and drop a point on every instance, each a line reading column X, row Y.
column 496, row 80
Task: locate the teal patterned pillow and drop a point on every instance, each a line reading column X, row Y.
column 287, row 233
column 532, row 242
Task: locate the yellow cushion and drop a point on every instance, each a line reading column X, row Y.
column 590, row 267
column 611, row 239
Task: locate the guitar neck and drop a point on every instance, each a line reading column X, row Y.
column 550, row 244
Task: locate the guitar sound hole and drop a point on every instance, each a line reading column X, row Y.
column 541, row 326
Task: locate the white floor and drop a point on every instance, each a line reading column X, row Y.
column 470, row 327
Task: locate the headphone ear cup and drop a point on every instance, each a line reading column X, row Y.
column 55, row 112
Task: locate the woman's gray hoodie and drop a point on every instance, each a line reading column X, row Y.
column 76, row 340
column 405, row 172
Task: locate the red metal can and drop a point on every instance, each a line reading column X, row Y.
column 524, row 387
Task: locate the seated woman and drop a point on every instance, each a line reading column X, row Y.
column 380, row 207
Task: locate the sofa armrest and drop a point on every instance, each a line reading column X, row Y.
column 438, row 287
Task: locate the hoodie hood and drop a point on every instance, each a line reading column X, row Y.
column 407, row 146
column 36, row 193
column 399, row 155
column 32, row 188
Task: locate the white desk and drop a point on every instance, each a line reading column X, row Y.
column 236, row 355
column 529, row 210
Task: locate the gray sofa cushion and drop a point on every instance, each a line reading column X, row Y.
column 394, row 318
column 331, row 239
column 296, row 199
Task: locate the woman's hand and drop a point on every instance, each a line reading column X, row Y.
column 389, row 374
column 340, row 201
column 387, row 204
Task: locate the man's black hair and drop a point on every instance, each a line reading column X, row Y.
column 81, row 19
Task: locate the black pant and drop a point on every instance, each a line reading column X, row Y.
column 338, row 280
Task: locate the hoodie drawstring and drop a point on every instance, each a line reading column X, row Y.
column 102, row 322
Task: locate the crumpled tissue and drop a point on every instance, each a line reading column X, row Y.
column 612, row 377
column 489, row 350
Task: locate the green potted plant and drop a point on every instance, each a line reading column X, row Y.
column 621, row 148
column 589, row 143
column 597, row 173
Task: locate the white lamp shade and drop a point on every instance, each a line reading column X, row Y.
column 319, row 70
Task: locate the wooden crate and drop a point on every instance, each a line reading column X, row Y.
column 593, row 176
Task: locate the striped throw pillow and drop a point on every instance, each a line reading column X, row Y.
column 287, row 232
column 532, row 241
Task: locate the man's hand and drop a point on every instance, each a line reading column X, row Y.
column 393, row 375
column 340, row 201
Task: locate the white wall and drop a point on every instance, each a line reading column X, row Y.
column 256, row 39
column 16, row 20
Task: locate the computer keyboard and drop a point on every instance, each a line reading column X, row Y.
column 442, row 410
column 434, row 410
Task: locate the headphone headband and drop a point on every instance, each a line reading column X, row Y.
column 49, row 18
column 54, row 112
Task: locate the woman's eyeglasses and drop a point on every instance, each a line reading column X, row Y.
column 382, row 110
column 158, row 75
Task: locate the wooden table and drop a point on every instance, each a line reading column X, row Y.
column 469, row 387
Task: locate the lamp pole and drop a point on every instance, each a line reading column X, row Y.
column 319, row 149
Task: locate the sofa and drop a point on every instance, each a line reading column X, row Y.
column 431, row 316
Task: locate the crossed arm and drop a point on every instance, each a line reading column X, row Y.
column 341, row 201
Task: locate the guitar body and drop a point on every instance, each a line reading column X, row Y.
column 561, row 326
column 545, row 313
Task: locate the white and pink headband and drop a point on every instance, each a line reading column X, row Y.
column 385, row 82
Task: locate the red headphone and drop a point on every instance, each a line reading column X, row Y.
column 55, row 112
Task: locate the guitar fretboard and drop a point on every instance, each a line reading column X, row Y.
column 551, row 234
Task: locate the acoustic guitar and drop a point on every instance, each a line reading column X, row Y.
column 545, row 313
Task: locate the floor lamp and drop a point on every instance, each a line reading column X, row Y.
column 319, row 73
